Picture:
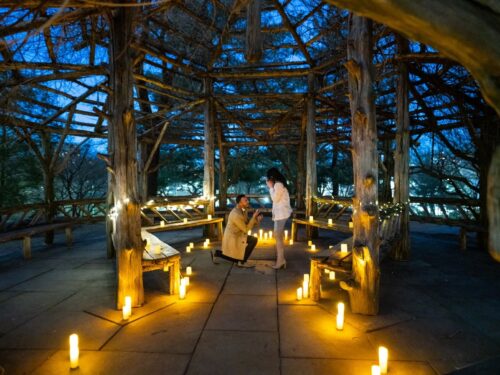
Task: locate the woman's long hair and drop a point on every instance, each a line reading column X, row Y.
column 275, row 176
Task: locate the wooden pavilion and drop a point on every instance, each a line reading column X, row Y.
column 232, row 73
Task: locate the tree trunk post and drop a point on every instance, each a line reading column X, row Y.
column 311, row 178
column 253, row 51
column 122, row 136
column 494, row 206
column 222, row 169
column 48, row 182
column 208, row 151
column 402, row 157
column 300, row 187
column 363, row 290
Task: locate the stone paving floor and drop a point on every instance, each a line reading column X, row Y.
column 439, row 313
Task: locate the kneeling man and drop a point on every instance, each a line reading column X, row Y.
column 237, row 245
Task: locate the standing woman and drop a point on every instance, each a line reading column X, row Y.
column 278, row 189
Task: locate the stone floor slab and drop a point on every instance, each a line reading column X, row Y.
column 51, row 329
column 244, row 313
column 309, row 332
column 226, row 352
column 250, row 284
column 115, row 363
column 22, row 362
column 173, row 330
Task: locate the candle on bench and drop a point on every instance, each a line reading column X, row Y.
column 209, row 217
column 330, row 222
column 162, row 223
column 332, row 275
column 311, row 219
column 185, row 220
column 299, row 294
column 383, row 357
column 74, row 351
column 340, row 316
column 327, row 270
column 286, row 235
column 189, row 270
column 351, row 224
column 343, row 248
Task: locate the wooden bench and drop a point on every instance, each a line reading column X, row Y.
column 341, row 263
column 319, row 223
column 160, row 256
column 25, row 234
column 189, row 224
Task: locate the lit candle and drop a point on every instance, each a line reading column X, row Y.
column 330, row 222
column 332, row 275
column 309, row 243
column 74, row 351
column 185, row 279
column 375, row 370
column 340, row 316
column 351, row 224
column 299, row 294
column 265, row 236
column 305, row 288
column 261, row 232
column 343, row 248
column 205, row 244
column 249, row 232
column 306, row 277
column 189, row 271
column 383, row 358
column 207, row 241
column 327, row 270
column 191, row 245
column 188, row 249
column 291, row 242
column 182, row 291
column 286, row 235
column 270, row 234
column 127, row 308
column 313, row 247
column 162, row 223
column 185, row 220
column 255, row 235
column 209, row 217
column 311, row 219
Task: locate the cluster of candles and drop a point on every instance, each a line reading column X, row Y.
column 206, row 243
column 185, row 283
column 312, row 247
column 303, row 291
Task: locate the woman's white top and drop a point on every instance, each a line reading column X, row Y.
column 281, row 202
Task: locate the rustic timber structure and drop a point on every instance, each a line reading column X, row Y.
column 224, row 74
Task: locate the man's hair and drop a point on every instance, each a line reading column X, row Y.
column 238, row 198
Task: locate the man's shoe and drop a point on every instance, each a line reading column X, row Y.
column 214, row 257
column 244, row 265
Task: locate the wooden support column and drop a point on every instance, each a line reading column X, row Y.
column 222, row 168
column 311, row 178
column 122, row 136
column 300, row 187
column 402, row 156
column 363, row 289
column 48, row 182
column 208, row 151
column 494, row 206
column 253, row 51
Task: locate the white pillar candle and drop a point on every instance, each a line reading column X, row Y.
column 261, row 233
column 286, row 235
column 182, row 291
column 383, row 359
column 185, row 220
column 327, row 270
column 305, row 288
column 191, row 245
column 255, row 235
column 265, row 236
column 162, row 223
column 309, row 243
column 185, row 279
column 311, row 219
column 205, row 245
column 74, row 351
column 189, row 270
column 375, row 370
column 306, row 277
column 313, row 247
column 207, row 241
column 330, row 222
column 351, row 224
column 127, row 308
column 340, row 316
column 291, row 242
column 343, row 248
column 209, row 217
column 270, row 234
column 188, row 249
column 332, row 275
column 249, row 232
column 299, row 294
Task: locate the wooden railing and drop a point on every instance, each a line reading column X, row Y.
column 446, row 211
